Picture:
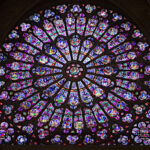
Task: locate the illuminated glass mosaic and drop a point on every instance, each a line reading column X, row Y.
column 75, row 74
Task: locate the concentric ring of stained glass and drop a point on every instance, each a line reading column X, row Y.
column 75, row 75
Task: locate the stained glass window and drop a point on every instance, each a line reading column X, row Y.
column 75, row 74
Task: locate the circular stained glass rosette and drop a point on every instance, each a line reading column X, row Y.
column 74, row 74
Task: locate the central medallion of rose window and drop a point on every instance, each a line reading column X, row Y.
column 74, row 71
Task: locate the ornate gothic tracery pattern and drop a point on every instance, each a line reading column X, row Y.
column 75, row 74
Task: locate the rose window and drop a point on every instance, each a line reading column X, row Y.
column 74, row 74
